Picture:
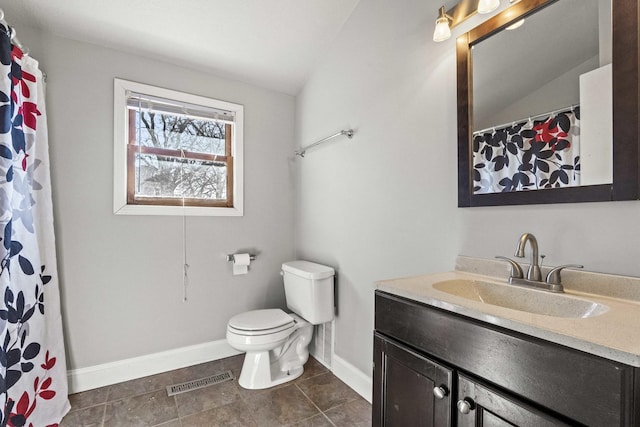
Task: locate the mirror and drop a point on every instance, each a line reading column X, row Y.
column 534, row 124
column 537, row 86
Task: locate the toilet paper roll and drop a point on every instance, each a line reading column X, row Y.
column 241, row 264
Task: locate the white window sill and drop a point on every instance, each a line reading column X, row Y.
column 176, row 210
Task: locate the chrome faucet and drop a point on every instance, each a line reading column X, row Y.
column 533, row 273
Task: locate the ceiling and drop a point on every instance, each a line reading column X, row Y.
column 273, row 44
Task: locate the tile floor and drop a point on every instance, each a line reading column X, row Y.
column 317, row 399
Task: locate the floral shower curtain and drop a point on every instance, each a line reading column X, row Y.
column 33, row 381
column 528, row 155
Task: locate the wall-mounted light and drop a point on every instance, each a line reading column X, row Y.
column 458, row 14
column 487, row 6
column 442, row 31
column 517, row 24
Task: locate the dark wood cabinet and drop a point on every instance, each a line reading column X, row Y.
column 501, row 377
column 481, row 405
column 411, row 390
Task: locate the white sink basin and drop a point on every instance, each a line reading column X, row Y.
column 522, row 299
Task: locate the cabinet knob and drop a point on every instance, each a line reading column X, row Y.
column 465, row 405
column 440, row 392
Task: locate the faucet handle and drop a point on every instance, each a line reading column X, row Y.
column 553, row 277
column 516, row 270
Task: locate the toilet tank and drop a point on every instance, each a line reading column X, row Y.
column 308, row 288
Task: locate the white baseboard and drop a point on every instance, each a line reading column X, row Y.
column 137, row 367
column 360, row 382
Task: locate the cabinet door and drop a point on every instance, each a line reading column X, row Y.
column 409, row 389
column 479, row 405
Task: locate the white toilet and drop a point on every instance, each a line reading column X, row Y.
column 276, row 343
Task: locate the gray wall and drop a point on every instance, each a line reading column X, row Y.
column 121, row 276
column 384, row 204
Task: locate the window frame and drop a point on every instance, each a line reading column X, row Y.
column 122, row 166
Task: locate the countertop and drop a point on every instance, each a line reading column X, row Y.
column 614, row 335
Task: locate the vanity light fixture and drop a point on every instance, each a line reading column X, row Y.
column 515, row 25
column 487, row 6
column 448, row 19
column 442, row 31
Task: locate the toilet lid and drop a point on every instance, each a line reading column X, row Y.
column 258, row 320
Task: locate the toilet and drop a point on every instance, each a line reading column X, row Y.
column 277, row 343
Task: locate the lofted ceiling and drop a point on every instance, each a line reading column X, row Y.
column 270, row 43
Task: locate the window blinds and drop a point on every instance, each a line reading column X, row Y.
column 162, row 105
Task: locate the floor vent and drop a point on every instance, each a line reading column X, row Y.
column 201, row 383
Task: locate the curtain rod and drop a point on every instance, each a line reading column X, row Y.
column 12, row 36
column 348, row 133
column 568, row 109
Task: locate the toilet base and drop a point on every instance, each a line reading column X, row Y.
column 268, row 368
column 258, row 373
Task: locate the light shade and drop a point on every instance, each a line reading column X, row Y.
column 487, row 6
column 517, row 24
column 442, row 31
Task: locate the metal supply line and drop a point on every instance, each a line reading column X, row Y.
column 348, row 133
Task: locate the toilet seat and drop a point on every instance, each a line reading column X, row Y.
column 256, row 323
column 261, row 332
column 260, row 329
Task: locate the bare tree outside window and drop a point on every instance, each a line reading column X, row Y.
column 169, row 176
column 179, row 157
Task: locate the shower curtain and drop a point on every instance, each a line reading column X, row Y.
column 529, row 155
column 33, row 382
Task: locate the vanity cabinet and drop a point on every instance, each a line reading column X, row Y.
column 415, row 387
column 501, row 377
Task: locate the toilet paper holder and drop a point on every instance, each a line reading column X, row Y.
column 231, row 258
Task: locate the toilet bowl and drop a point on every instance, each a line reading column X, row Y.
column 276, row 346
column 276, row 343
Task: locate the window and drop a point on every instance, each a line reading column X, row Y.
column 175, row 153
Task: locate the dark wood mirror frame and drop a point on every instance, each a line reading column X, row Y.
column 626, row 183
